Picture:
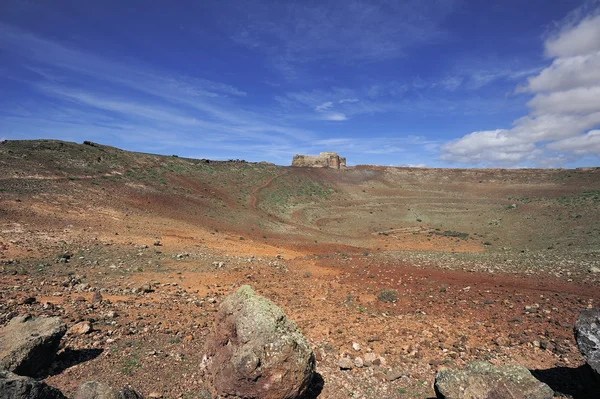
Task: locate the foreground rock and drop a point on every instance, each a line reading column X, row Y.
column 587, row 335
column 98, row 390
column 28, row 344
column 14, row 386
column 254, row 351
column 481, row 380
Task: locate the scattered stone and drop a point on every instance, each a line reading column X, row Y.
column 13, row 386
column 255, row 351
column 594, row 269
column 28, row 344
column 96, row 297
column 346, row 363
column 98, row 390
column 28, row 301
column 81, row 328
column 395, row 374
column 355, row 346
column 146, row 288
column 483, row 380
column 587, row 335
column 157, row 243
column 320, row 354
column 370, row 358
column 358, row 362
column 64, row 258
column 155, row 395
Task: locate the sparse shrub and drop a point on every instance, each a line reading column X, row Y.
column 419, row 220
column 487, row 243
column 388, row 296
column 307, row 274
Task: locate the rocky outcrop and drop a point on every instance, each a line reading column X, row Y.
column 14, row 386
column 587, row 335
column 28, row 344
column 98, row 390
column 482, row 380
column 255, row 351
column 324, row 160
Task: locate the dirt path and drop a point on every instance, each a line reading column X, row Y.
column 257, row 189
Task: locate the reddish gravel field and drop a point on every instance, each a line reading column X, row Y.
column 425, row 268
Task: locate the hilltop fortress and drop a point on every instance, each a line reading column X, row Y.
column 323, row 160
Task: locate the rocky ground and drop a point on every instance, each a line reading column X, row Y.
column 138, row 281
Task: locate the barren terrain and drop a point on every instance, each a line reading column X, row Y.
column 426, row 268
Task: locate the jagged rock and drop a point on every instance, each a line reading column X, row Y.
column 587, row 335
column 345, row 363
column 98, row 390
column 255, row 351
column 482, row 380
column 14, row 386
column 81, row 328
column 96, row 297
column 28, row 344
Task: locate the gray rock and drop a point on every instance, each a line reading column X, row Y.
column 395, row 374
column 482, row 380
column 255, row 351
column 345, row 363
column 98, row 390
column 28, row 344
column 14, row 386
column 370, row 357
column 587, row 335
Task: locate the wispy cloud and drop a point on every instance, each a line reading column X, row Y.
column 324, row 107
column 292, row 35
column 335, row 116
column 133, row 93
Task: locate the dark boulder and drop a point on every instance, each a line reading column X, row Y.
column 14, row 386
column 28, row 345
column 587, row 335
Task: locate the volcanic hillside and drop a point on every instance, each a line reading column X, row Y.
column 424, row 267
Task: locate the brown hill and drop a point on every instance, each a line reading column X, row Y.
column 478, row 263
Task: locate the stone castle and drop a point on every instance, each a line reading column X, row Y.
column 323, row 160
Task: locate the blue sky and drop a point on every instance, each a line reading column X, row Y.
column 439, row 83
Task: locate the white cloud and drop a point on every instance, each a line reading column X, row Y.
column 565, row 106
column 581, row 100
column 348, row 100
column 566, row 73
column 335, row 116
column 579, row 40
column 588, row 143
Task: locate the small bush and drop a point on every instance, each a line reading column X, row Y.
column 388, row 296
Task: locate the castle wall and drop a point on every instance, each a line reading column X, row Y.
column 324, row 160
